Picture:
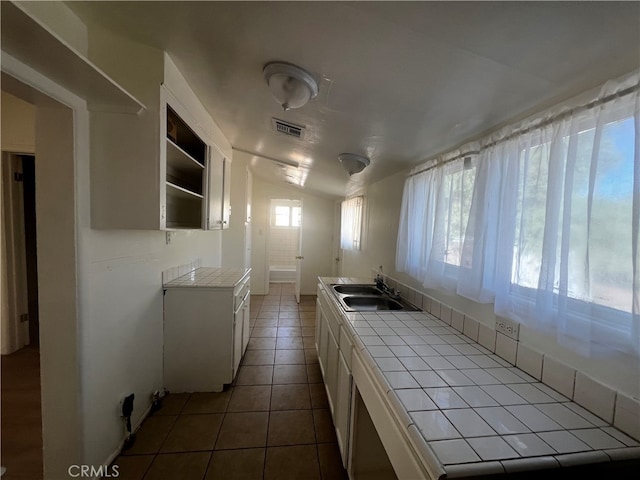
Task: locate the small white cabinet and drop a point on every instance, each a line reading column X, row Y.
column 206, row 330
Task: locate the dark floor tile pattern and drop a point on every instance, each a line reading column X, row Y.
column 273, row 423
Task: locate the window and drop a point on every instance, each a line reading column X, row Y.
column 546, row 227
column 457, row 189
column 351, row 223
column 286, row 213
column 436, row 205
column 592, row 240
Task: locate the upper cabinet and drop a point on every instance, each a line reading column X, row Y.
column 219, row 176
column 185, row 180
column 163, row 169
column 197, row 174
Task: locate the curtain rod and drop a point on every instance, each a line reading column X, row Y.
column 544, row 123
column 289, row 163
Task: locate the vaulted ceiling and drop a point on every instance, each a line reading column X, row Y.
column 399, row 81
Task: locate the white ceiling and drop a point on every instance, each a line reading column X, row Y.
column 399, row 81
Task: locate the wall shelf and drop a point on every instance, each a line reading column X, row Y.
column 180, row 192
column 32, row 43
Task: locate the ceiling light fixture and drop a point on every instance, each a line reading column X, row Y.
column 291, row 86
column 353, row 163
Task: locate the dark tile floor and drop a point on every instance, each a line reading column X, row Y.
column 273, row 423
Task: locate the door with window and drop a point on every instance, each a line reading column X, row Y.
column 285, row 251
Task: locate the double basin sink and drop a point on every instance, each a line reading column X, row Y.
column 367, row 298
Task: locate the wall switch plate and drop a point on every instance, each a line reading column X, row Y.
column 508, row 327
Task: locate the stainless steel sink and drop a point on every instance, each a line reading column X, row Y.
column 370, row 303
column 363, row 297
column 357, row 289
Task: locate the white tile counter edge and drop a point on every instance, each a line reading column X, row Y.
column 419, row 443
column 209, row 277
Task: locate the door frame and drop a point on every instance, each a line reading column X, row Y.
column 268, row 239
column 62, row 135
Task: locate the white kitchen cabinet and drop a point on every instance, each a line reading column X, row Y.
column 205, row 331
column 219, row 193
column 342, row 417
column 163, row 169
column 334, row 353
column 198, row 175
column 186, row 160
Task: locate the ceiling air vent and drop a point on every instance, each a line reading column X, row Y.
column 287, row 128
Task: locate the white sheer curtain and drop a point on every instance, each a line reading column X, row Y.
column 351, row 223
column 436, row 204
column 417, row 219
column 552, row 231
column 552, row 234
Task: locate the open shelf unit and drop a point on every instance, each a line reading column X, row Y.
column 186, row 161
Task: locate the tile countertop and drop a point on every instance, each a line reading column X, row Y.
column 209, row 277
column 475, row 412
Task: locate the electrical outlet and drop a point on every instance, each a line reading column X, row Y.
column 508, row 327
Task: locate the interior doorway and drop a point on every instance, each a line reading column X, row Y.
column 21, row 427
column 20, row 265
column 39, row 116
column 285, row 242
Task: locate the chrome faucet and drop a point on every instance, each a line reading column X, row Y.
column 393, row 293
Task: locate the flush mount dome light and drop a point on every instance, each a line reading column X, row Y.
column 291, row 86
column 353, row 163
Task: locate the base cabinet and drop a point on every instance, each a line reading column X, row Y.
column 335, row 370
column 205, row 336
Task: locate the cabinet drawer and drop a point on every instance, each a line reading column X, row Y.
column 241, row 292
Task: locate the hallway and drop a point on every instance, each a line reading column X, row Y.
column 272, row 424
column 21, row 415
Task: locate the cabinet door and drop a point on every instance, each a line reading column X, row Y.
column 343, row 408
column 226, row 193
column 246, row 324
column 322, row 340
column 215, row 193
column 331, row 378
column 237, row 340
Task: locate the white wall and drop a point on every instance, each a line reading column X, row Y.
column 121, row 274
column 118, row 348
column 18, row 125
column 383, row 201
column 233, row 238
column 317, row 231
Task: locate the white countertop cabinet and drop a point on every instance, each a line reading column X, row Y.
column 206, row 328
column 413, row 398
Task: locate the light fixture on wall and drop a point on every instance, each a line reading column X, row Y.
column 291, row 86
column 353, row 163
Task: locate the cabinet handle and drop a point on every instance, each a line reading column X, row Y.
column 299, row 257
